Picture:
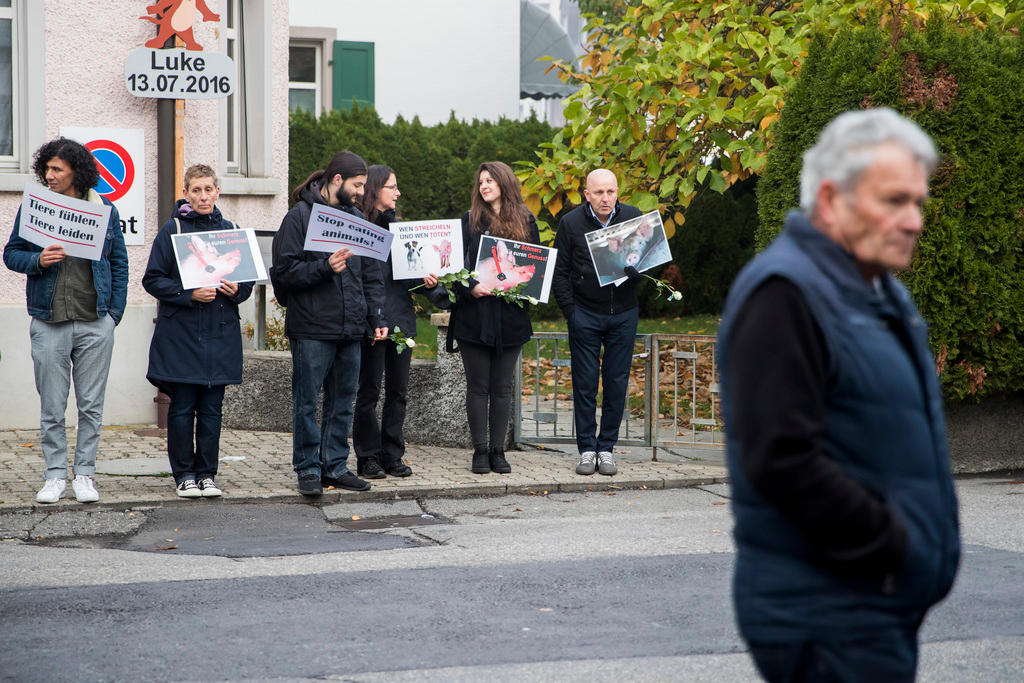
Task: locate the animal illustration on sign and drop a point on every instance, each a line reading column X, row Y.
column 176, row 17
column 500, row 270
column 206, row 263
column 413, row 253
column 444, row 250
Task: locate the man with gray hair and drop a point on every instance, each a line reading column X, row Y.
column 846, row 517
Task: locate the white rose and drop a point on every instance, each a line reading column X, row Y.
column 410, row 343
column 677, row 296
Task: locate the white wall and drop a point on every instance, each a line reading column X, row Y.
column 431, row 57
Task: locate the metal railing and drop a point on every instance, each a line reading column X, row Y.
column 672, row 394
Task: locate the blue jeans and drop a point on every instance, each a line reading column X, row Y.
column 193, row 430
column 60, row 351
column 587, row 332
column 333, row 366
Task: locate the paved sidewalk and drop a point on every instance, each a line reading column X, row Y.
column 132, row 469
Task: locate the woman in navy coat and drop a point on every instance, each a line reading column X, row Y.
column 197, row 344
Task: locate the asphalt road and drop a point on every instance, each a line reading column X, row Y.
column 628, row 586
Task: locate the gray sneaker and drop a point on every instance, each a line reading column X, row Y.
column 606, row 463
column 587, row 463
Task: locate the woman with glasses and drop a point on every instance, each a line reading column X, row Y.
column 380, row 446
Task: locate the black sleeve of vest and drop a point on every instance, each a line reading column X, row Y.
column 777, row 381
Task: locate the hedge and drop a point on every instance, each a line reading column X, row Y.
column 435, row 167
column 966, row 88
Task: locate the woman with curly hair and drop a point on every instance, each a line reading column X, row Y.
column 75, row 303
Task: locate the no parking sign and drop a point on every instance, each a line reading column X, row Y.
column 120, row 160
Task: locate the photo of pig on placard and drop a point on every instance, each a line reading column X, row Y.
column 503, row 264
column 206, row 258
column 422, row 248
column 639, row 242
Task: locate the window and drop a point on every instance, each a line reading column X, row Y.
column 22, row 89
column 235, row 120
column 353, row 73
column 246, row 142
column 8, row 82
column 304, row 77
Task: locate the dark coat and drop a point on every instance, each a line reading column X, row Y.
column 882, row 430
column 489, row 320
column 399, row 310
column 193, row 343
column 322, row 304
column 575, row 280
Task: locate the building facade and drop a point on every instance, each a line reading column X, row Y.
column 62, row 66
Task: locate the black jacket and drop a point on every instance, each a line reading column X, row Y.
column 322, row 304
column 193, row 343
column 575, row 280
column 398, row 307
column 488, row 320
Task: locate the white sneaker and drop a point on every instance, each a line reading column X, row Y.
column 52, row 491
column 208, row 488
column 188, row 489
column 606, row 463
column 85, row 490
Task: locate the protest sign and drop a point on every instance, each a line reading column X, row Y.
column 206, row 258
column 79, row 226
column 422, row 248
column 503, row 264
column 330, row 229
column 639, row 242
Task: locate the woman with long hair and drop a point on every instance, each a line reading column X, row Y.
column 491, row 331
column 380, row 446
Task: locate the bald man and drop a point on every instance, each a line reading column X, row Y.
column 596, row 316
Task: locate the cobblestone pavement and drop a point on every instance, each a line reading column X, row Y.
column 132, row 469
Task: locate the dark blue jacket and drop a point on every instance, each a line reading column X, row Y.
column 109, row 274
column 884, row 427
column 322, row 304
column 193, row 343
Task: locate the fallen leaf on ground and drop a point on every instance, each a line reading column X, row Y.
column 719, row 502
column 355, row 518
column 166, row 547
column 28, row 445
column 517, row 510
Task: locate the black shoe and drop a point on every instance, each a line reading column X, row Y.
column 498, row 463
column 481, row 465
column 370, row 468
column 346, row 481
column 398, row 469
column 309, row 485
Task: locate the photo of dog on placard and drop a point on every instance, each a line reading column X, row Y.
column 422, row 248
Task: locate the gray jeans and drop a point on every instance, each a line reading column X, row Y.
column 60, row 351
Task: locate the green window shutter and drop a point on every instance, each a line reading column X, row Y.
column 353, row 73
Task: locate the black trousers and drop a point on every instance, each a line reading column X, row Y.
column 383, row 441
column 490, row 376
column 193, row 430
